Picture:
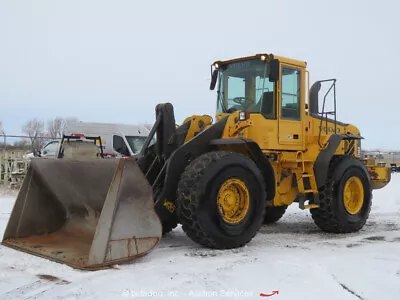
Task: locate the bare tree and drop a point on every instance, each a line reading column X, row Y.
column 56, row 127
column 35, row 130
column 68, row 121
column 22, row 144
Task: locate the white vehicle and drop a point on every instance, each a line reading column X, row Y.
column 116, row 139
column 55, row 148
column 49, row 150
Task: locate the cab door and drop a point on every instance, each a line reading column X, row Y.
column 290, row 113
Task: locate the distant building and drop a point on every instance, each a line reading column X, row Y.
column 382, row 156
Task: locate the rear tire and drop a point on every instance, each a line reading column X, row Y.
column 339, row 213
column 274, row 213
column 201, row 206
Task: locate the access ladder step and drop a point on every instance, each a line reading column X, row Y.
column 304, row 160
column 306, row 175
column 311, row 188
column 310, row 206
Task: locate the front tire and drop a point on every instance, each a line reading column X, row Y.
column 168, row 226
column 345, row 200
column 221, row 200
column 274, row 213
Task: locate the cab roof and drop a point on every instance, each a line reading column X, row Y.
column 282, row 59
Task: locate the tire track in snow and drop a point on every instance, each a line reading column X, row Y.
column 346, row 288
column 25, row 291
column 48, row 286
column 350, row 291
column 34, row 289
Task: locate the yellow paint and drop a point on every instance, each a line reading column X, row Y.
column 234, row 127
column 282, row 59
column 233, row 201
column 286, row 192
column 380, row 176
column 198, row 123
column 239, row 126
column 353, row 195
column 98, row 142
column 170, row 206
column 296, row 143
column 310, row 206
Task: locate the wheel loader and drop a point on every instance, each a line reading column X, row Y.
column 273, row 143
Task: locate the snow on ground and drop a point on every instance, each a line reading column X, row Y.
column 292, row 257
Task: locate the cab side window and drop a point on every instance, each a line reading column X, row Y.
column 290, row 99
column 119, row 145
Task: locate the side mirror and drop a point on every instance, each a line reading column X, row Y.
column 274, row 70
column 214, row 78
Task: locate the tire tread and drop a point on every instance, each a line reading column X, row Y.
column 188, row 195
column 324, row 216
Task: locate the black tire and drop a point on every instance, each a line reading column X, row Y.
column 168, row 226
column 197, row 200
column 332, row 215
column 274, row 213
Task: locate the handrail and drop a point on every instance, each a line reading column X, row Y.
column 322, row 113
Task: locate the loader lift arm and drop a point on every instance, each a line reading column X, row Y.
column 163, row 162
column 152, row 158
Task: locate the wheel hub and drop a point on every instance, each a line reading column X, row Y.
column 353, row 195
column 233, row 201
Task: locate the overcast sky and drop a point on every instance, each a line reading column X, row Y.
column 113, row 61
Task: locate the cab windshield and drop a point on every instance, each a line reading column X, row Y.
column 245, row 86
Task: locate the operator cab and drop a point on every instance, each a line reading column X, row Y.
column 271, row 90
column 250, row 84
column 245, row 85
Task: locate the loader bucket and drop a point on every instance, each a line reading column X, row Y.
column 86, row 213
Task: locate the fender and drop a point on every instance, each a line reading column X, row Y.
column 251, row 148
column 345, row 164
column 180, row 159
column 324, row 158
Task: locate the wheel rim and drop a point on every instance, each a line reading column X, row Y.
column 353, row 195
column 233, row 201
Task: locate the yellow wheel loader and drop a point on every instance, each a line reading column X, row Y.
column 271, row 145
